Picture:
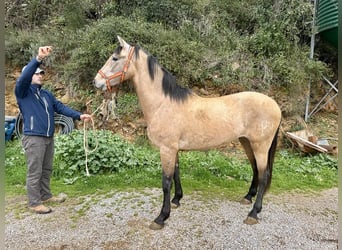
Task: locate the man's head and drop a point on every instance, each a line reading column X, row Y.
column 37, row 76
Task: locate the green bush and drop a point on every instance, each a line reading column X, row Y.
column 128, row 105
column 99, row 41
column 20, row 47
column 113, row 154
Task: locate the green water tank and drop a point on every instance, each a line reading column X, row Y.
column 327, row 21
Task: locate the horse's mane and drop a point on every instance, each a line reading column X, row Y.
column 169, row 83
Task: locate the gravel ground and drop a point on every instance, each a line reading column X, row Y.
column 120, row 220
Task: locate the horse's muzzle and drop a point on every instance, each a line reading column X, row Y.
column 99, row 85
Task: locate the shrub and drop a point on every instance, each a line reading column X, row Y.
column 113, row 154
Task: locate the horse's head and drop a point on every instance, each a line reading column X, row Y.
column 115, row 69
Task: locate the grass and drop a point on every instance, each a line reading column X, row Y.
column 208, row 172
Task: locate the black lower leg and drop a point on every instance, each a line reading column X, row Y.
column 254, row 185
column 178, row 186
column 165, row 211
column 258, row 202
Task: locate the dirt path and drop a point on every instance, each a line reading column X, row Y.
column 120, row 220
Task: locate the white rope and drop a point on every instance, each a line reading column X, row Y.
column 85, row 144
column 85, row 135
column 85, row 140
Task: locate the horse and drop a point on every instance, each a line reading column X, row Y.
column 180, row 120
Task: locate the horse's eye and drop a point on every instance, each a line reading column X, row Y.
column 114, row 58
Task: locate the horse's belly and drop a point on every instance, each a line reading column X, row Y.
column 191, row 140
column 204, row 142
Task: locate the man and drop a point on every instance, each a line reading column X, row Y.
column 38, row 107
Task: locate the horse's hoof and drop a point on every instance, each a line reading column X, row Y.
column 250, row 221
column 245, row 201
column 174, row 205
column 156, row 226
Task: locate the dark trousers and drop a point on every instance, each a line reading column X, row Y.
column 39, row 153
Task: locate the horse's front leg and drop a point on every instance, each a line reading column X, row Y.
column 168, row 158
column 158, row 223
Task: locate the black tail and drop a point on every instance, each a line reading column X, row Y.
column 271, row 154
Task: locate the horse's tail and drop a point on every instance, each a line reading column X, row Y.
column 271, row 154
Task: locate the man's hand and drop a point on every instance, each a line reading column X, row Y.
column 44, row 52
column 85, row 117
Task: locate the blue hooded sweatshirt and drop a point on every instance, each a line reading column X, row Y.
column 38, row 105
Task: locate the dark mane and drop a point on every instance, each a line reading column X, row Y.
column 169, row 83
column 172, row 89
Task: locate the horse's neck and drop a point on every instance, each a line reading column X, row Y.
column 148, row 91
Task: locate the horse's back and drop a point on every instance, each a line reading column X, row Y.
column 244, row 112
column 241, row 104
column 255, row 101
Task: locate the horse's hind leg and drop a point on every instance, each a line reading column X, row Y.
column 254, row 184
column 178, row 187
column 263, row 178
column 264, row 158
column 252, row 217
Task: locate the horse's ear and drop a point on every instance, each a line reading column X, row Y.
column 122, row 42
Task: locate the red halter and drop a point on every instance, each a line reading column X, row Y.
column 118, row 74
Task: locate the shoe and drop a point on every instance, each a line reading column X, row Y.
column 55, row 199
column 40, row 209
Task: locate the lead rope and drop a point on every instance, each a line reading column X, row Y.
column 85, row 144
column 85, row 139
column 85, row 135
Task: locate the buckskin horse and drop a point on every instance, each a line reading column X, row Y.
column 179, row 120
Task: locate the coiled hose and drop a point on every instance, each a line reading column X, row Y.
column 64, row 123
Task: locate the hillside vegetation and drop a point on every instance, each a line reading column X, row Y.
column 226, row 45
